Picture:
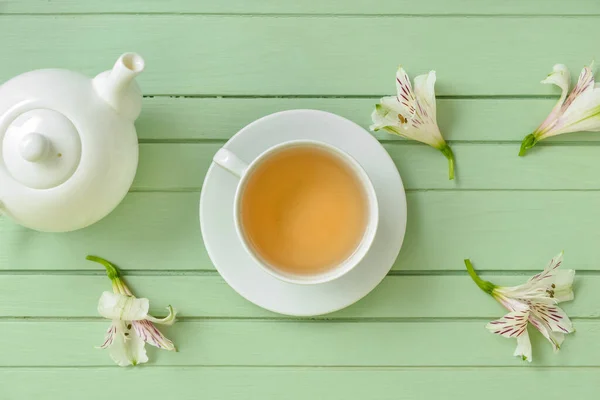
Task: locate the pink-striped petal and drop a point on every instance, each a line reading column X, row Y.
column 584, row 83
column 405, row 95
column 512, row 325
column 425, row 94
column 110, row 336
column 560, row 77
column 148, row 333
column 549, row 271
column 555, row 338
column 553, row 316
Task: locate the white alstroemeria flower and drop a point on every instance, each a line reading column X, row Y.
column 578, row 112
column 132, row 327
column 412, row 114
column 535, row 302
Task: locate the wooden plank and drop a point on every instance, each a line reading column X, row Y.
column 306, row 55
column 498, row 230
column 183, row 166
column 386, row 7
column 169, row 118
column 209, row 297
column 296, row 383
column 295, row 343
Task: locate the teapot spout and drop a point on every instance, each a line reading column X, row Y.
column 118, row 87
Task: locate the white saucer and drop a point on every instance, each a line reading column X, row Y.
column 237, row 267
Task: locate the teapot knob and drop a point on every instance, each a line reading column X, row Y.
column 34, row 147
column 40, row 147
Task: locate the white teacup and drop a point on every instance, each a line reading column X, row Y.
column 229, row 161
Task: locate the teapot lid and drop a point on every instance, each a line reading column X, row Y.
column 41, row 147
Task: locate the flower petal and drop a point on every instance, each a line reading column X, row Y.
column 523, row 349
column 384, row 117
column 168, row 320
column 539, row 286
column 578, row 112
column 512, row 325
column 148, row 333
column 553, row 317
column 407, row 101
column 387, row 118
column 411, row 114
column 582, row 115
column 127, row 350
column 504, row 296
column 549, row 271
column 584, row 83
column 117, row 306
column 555, row 338
column 517, row 297
column 110, row 336
column 560, row 77
column 581, row 110
column 425, row 94
column 415, row 129
column 563, row 285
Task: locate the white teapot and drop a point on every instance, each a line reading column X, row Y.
column 68, row 146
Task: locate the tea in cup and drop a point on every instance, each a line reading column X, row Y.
column 306, row 211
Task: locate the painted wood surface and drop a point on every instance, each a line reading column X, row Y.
column 461, row 119
column 380, row 8
column 206, row 295
column 181, row 166
column 498, row 229
column 306, row 55
column 297, row 343
column 213, row 67
column 300, row 383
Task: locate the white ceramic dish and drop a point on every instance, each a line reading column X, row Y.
column 243, row 273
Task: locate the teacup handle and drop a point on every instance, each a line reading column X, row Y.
column 226, row 159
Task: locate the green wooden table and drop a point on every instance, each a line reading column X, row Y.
column 214, row 66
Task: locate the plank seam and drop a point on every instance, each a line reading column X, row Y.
column 300, row 15
column 214, row 273
column 347, row 96
column 282, row 319
column 311, row 367
column 393, row 141
column 382, row 367
column 196, row 189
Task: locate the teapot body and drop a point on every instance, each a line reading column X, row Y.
column 67, row 157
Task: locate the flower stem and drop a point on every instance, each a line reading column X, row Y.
column 528, row 142
column 112, row 271
column 486, row 286
column 114, row 274
column 447, row 151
